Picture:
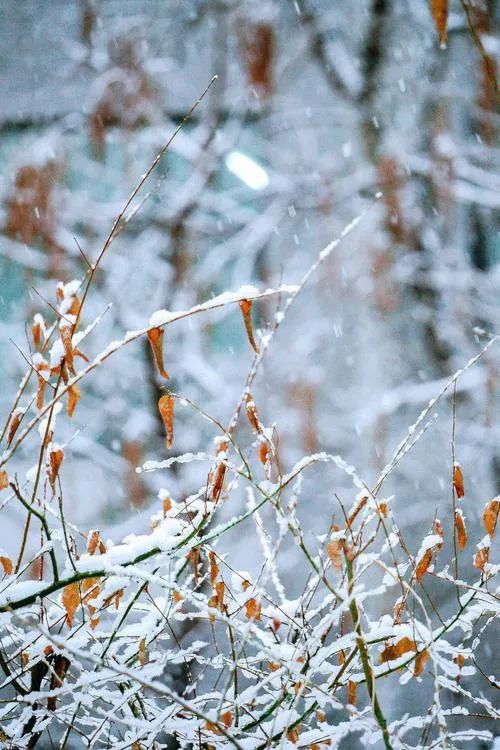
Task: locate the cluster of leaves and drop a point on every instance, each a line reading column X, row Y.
column 93, row 647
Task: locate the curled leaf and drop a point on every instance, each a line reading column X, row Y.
column 15, row 421
column 155, row 337
column 56, row 456
column 351, row 693
column 490, row 515
column 481, row 558
column 252, row 414
column 214, row 568
column 166, row 407
column 461, row 530
column 458, row 480
column 142, row 654
column 59, row 669
column 423, row 564
column 246, row 310
column 73, row 398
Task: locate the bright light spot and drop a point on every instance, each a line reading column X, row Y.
column 251, row 173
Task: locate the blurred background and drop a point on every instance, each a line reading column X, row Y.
column 317, row 107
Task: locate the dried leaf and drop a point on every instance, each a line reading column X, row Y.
column 423, row 564
column 481, row 558
column 227, row 719
column 14, row 424
column 264, row 452
column 440, row 14
column 246, row 309
column 56, row 456
column 216, row 481
column 461, row 530
column 4, row 480
column 490, row 515
column 293, row 735
column 421, row 660
column 194, row 557
column 396, row 650
column 214, row 568
column 66, row 332
column 253, row 610
column 166, row 407
column 252, row 414
column 42, row 384
column 59, row 669
column 357, row 509
column 351, row 693
column 334, row 550
column 6, row 564
column 458, row 480
column 177, row 597
column 73, row 398
column 142, row 654
column 155, row 337
column 70, row 601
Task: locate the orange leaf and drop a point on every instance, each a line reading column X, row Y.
column 396, row 650
column 4, row 480
column 253, row 610
column 461, row 530
column 351, row 693
column 227, row 719
column 166, row 407
column 263, row 451
column 252, row 414
column 70, row 601
column 41, row 391
column 73, row 398
column 458, row 480
column 440, row 15
column 423, row 564
column 14, row 424
column 194, row 557
column 219, row 592
column 155, row 336
column 421, row 660
column 246, row 309
column 490, row 515
column 55, row 460
column 6, row 564
column 481, row 558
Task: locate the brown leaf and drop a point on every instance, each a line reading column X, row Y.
column 214, row 568
column 421, row 660
column 252, row 414
column 440, row 14
column 73, row 398
column 490, row 515
column 66, row 332
column 227, row 719
column 36, row 331
column 59, row 669
column 396, row 650
column 423, row 564
column 6, row 564
column 194, row 557
column 4, row 480
column 264, row 452
column 253, row 610
column 14, row 424
column 166, row 407
column 216, row 481
column 70, row 601
column 458, row 480
column 357, row 509
column 461, row 530
column 142, row 654
column 246, row 309
column 351, row 693
column 42, row 384
column 334, row 550
column 481, row 558
column 155, row 337
column 56, row 456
